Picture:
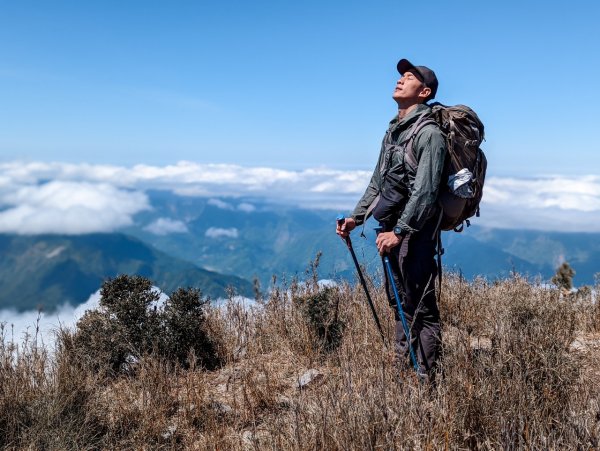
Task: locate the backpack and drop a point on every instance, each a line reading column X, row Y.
column 465, row 166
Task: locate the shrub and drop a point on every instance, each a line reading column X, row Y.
column 185, row 326
column 564, row 277
column 129, row 324
column 320, row 311
column 123, row 328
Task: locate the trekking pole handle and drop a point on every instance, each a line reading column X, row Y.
column 340, row 219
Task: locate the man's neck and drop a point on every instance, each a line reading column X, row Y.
column 403, row 110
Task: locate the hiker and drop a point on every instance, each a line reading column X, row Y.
column 402, row 196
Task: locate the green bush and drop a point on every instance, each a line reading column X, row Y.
column 564, row 277
column 129, row 324
column 320, row 311
column 185, row 329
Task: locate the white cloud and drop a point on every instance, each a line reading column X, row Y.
column 165, row 226
column 246, row 207
column 68, row 207
column 17, row 324
column 188, row 178
column 565, row 193
column 87, row 193
column 551, row 203
column 220, row 204
column 215, row 232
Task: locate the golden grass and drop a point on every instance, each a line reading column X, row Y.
column 520, row 370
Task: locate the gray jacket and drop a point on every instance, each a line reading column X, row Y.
column 422, row 186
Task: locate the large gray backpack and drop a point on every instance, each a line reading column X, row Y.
column 464, row 171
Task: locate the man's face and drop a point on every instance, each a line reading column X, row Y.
column 410, row 89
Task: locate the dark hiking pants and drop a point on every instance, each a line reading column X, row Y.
column 414, row 275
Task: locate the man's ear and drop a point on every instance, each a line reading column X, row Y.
column 425, row 92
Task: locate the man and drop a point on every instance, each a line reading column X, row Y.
column 402, row 196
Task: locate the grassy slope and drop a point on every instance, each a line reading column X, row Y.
column 520, row 371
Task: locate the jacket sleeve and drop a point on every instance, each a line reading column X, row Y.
column 371, row 192
column 430, row 150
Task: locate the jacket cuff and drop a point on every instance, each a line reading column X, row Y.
column 405, row 227
column 356, row 220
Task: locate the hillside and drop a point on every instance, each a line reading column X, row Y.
column 305, row 369
column 50, row 270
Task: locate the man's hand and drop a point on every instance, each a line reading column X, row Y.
column 343, row 229
column 386, row 241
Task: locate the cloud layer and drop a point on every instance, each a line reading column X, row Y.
column 40, row 197
column 216, row 232
column 165, row 226
column 64, row 206
column 18, row 325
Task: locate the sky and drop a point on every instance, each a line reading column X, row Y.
column 292, row 85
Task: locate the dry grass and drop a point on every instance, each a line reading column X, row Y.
column 520, row 370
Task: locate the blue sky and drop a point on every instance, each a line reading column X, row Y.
column 100, row 100
column 292, row 84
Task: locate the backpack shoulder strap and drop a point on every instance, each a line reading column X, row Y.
column 421, row 123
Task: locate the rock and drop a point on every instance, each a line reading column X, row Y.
column 239, row 352
column 308, row 378
column 248, row 440
column 221, row 408
column 261, row 378
column 169, row 432
column 586, row 342
column 284, row 401
column 186, row 409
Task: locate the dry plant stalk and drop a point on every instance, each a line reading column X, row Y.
column 520, row 370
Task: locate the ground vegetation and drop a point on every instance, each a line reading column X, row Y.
column 303, row 367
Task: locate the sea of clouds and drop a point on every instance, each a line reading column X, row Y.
column 41, row 197
column 40, row 326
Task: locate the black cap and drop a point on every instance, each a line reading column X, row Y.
column 424, row 74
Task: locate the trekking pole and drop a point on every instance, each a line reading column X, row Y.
column 340, row 221
column 407, row 334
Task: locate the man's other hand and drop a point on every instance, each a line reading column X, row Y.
column 343, row 229
column 386, row 241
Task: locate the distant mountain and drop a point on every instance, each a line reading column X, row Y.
column 545, row 251
column 252, row 238
column 49, row 270
column 237, row 239
column 249, row 237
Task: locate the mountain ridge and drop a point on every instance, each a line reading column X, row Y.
column 49, row 270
